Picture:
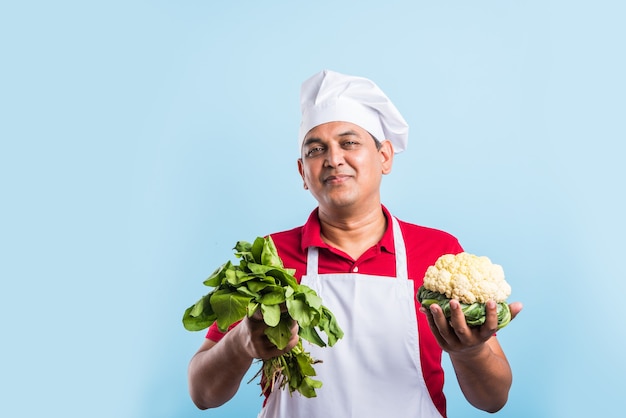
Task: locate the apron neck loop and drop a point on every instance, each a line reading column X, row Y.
column 398, row 242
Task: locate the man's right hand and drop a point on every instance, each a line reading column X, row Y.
column 255, row 342
column 217, row 369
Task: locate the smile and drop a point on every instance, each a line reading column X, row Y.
column 339, row 178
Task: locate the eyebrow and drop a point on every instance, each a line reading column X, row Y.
column 312, row 140
column 349, row 133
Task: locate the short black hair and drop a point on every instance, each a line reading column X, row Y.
column 376, row 142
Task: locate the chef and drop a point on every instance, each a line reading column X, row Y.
column 366, row 265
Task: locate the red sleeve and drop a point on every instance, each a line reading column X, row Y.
column 214, row 334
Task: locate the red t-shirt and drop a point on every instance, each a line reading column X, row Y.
column 423, row 246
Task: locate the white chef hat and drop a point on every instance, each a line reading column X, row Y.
column 329, row 96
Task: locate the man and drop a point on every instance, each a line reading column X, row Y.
column 366, row 265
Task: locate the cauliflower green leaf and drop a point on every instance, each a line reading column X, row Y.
column 475, row 313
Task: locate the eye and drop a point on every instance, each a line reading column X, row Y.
column 313, row 151
column 350, row 143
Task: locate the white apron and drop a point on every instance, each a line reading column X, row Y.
column 374, row 370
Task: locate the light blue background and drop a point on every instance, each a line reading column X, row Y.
column 142, row 139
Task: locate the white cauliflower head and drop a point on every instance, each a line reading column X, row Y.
column 468, row 278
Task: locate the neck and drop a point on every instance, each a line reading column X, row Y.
column 354, row 233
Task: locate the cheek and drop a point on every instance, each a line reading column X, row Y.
column 368, row 165
column 308, row 173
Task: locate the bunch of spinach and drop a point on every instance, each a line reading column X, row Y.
column 260, row 282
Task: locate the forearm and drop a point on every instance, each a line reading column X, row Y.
column 215, row 373
column 484, row 376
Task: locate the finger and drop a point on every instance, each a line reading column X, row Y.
column 429, row 318
column 457, row 318
column 433, row 327
column 491, row 314
column 466, row 335
column 442, row 324
column 491, row 320
column 295, row 327
column 292, row 342
column 294, row 334
column 515, row 308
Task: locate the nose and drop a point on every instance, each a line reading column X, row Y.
column 334, row 156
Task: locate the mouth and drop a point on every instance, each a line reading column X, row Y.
column 337, row 179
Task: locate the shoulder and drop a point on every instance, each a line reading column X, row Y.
column 287, row 237
column 429, row 240
column 289, row 244
column 424, row 246
column 414, row 233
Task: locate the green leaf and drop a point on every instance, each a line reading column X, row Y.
column 258, row 285
column 257, row 249
column 308, row 386
column 229, row 307
column 196, row 323
column 259, row 269
column 475, row 313
column 271, row 314
column 301, row 312
column 328, row 323
column 310, row 334
column 242, row 246
column 252, row 308
column 281, row 333
column 428, row 297
column 243, row 250
column 196, row 310
column 269, row 256
column 202, row 307
column 237, row 276
column 245, row 291
column 283, row 277
column 215, row 279
column 311, row 297
column 272, row 295
column 504, row 315
column 305, row 364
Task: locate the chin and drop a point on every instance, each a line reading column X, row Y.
column 340, row 203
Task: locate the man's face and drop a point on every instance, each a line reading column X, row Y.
column 341, row 165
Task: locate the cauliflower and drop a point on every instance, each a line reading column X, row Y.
column 468, row 278
column 472, row 280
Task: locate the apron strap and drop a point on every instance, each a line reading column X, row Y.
column 402, row 268
column 402, row 271
column 311, row 261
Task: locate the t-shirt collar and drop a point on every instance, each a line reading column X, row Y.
column 312, row 237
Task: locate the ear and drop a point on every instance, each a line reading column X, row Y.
column 386, row 156
column 301, row 171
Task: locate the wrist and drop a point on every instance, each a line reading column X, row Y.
column 477, row 353
column 239, row 343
